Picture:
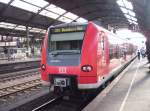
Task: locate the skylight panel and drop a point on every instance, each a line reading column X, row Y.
column 135, row 22
column 25, row 6
column 130, row 20
column 127, row 16
column 64, row 19
column 71, row 16
column 40, row 3
column 52, row 6
column 134, row 19
column 120, row 3
column 5, row 1
column 81, row 20
column 35, row 30
column 7, row 24
column 49, row 14
column 124, row 10
column 43, row 31
column 131, row 13
column 29, row 28
column 20, row 27
column 52, row 11
column 56, row 9
column 128, row 4
column 127, row 8
column 3, row 26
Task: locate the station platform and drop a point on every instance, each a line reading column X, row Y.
column 19, row 60
column 130, row 91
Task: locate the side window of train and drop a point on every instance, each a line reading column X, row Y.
column 111, row 51
column 114, row 51
column 102, row 41
column 102, row 46
column 104, row 49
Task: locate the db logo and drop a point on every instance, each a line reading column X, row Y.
column 62, row 70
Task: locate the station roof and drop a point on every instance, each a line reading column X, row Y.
column 106, row 11
column 142, row 8
column 38, row 15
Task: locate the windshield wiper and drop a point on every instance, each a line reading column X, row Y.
column 58, row 52
column 54, row 53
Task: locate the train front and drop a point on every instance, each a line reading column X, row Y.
column 61, row 57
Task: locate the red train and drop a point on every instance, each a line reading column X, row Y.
column 82, row 56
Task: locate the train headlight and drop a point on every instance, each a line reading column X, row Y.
column 87, row 68
column 43, row 67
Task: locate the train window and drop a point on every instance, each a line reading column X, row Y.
column 114, row 51
column 111, row 51
column 67, row 45
column 67, row 36
column 102, row 42
column 66, row 41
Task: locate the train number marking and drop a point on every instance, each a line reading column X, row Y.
column 62, row 70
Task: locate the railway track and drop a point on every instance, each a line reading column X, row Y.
column 19, row 66
column 18, row 75
column 74, row 103
column 44, row 106
column 20, row 82
column 21, row 87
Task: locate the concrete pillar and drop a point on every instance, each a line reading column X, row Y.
column 146, row 22
column 32, row 45
column 147, row 10
column 147, row 34
column 27, row 35
column 2, row 39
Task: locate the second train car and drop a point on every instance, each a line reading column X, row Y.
column 82, row 56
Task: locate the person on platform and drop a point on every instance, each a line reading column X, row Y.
column 148, row 50
column 142, row 52
column 5, row 51
column 138, row 54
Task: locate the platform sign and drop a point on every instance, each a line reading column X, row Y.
column 68, row 29
column 7, row 44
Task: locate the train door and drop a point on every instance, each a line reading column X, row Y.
column 104, row 56
column 102, row 42
column 104, row 50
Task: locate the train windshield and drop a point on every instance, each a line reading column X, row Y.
column 66, row 40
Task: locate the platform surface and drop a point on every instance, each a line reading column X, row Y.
column 130, row 93
column 18, row 60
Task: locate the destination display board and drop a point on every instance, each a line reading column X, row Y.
column 68, row 29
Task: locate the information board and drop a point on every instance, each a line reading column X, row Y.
column 68, row 29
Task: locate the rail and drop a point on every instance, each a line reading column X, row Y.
column 7, row 91
column 18, row 75
column 18, row 66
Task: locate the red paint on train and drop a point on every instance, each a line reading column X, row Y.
column 100, row 54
